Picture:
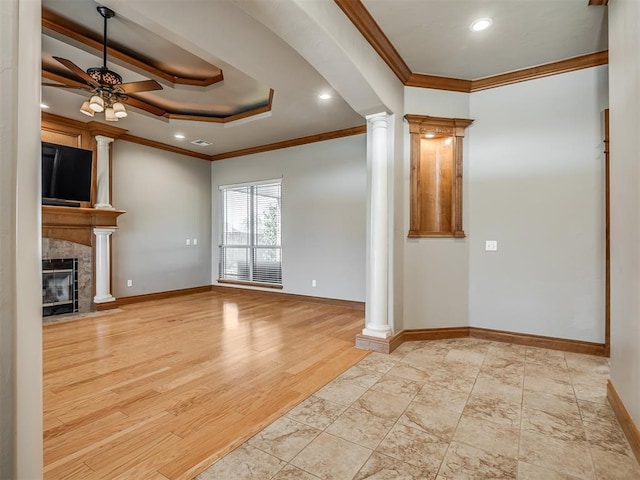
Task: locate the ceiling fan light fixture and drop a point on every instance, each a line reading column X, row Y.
column 86, row 109
column 118, row 110
column 110, row 115
column 96, row 104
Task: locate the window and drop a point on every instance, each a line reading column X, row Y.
column 250, row 247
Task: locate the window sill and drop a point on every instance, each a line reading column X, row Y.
column 251, row 284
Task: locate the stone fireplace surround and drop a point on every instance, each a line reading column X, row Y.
column 69, row 232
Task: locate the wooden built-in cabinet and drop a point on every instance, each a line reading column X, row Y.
column 436, row 176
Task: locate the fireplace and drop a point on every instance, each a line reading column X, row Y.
column 59, row 286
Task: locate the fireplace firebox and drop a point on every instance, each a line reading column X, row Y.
column 59, row 286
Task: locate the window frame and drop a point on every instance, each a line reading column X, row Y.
column 252, row 247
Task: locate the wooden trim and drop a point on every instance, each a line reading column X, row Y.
column 291, row 296
column 371, row 31
column 147, row 297
column 414, row 335
column 624, row 418
column 598, row 2
column 251, row 284
column 566, row 345
column 320, row 137
column 163, row 146
column 78, row 33
column 548, row 69
column 439, row 83
column 380, row 345
column 607, row 240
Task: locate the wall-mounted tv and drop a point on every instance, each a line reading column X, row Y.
column 66, row 175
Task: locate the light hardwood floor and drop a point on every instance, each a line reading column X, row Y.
column 160, row 390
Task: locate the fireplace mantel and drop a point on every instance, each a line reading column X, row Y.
column 76, row 224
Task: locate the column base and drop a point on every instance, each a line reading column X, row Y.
column 104, row 206
column 104, row 299
column 383, row 332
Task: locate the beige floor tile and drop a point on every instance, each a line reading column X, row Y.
column 436, row 421
column 293, row 473
column 452, row 381
column 244, row 463
column 548, row 385
column 546, row 357
column 597, row 413
column 284, row 438
column 464, row 462
column 591, row 393
column 464, row 357
column 563, row 427
column 613, row 466
column 382, row 467
column 316, row 412
column 383, row 405
column 561, row 404
column 491, row 387
column 585, row 363
column 360, row 376
column 526, row 471
column 398, row 386
column 608, row 438
column 440, row 397
column 411, row 372
column 415, row 447
column 340, row 391
column 509, row 376
column 493, row 409
column 378, row 362
column 571, row 458
column 547, row 372
column 509, row 351
column 360, row 427
column 492, row 360
column 424, row 359
column 488, row 436
column 331, row 458
column 591, row 378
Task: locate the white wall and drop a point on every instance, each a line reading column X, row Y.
column 435, row 269
column 624, row 78
column 20, row 269
column 168, row 199
column 323, row 213
column 536, row 173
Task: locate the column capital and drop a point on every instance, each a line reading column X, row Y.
column 101, row 139
column 104, row 230
column 379, row 119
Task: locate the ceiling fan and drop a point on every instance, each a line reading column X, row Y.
column 108, row 92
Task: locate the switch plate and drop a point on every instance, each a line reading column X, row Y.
column 491, row 245
column 195, row 241
column 188, row 241
column 313, row 283
column 129, row 283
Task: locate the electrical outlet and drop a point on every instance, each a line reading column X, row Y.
column 188, row 241
column 491, row 245
column 195, row 241
column 129, row 283
column 313, row 283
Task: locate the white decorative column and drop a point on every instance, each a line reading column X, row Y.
column 103, row 182
column 103, row 267
column 377, row 322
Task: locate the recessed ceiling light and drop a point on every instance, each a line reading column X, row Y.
column 179, row 136
column 429, row 135
column 44, row 105
column 324, row 96
column 201, row 143
column 481, row 24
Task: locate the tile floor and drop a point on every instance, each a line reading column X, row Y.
column 447, row 409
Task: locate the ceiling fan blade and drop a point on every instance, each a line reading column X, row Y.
column 143, row 86
column 58, row 85
column 134, row 102
column 78, row 71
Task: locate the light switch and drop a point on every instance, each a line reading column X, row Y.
column 188, row 241
column 195, row 241
column 491, row 245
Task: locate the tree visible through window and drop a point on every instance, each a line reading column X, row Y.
column 250, row 247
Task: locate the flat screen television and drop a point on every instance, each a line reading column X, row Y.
column 66, row 175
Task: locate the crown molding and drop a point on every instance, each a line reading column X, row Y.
column 548, row 69
column 163, row 146
column 320, row 137
column 63, row 26
column 367, row 26
column 371, row 31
